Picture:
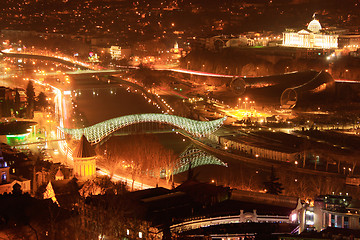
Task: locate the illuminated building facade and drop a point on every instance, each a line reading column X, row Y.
column 7, row 182
column 337, row 211
column 84, row 160
column 312, row 37
column 119, row 53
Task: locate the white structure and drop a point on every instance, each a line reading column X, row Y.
column 312, row 37
column 119, row 53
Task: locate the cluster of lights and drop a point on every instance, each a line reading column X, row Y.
column 169, row 109
column 74, row 106
column 39, row 72
column 266, row 38
column 54, row 55
column 330, row 56
column 195, row 100
column 351, row 46
column 59, row 110
column 153, row 102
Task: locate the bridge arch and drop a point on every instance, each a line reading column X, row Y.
column 193, row 157
column 99, row 131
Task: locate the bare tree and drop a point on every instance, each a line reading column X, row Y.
column 141, row 155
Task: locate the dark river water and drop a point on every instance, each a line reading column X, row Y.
column 102, row 104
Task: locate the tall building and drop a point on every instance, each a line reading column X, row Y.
column 312, row 37
column 84, row 160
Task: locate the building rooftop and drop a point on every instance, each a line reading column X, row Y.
column 262, row 139
column 84, row 149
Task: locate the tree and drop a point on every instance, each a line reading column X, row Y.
column 41, row 102
column 139, row 155
column 114, row 215
column 6, row 111
column 17, row 103
column 30, row 98
column 273, row 186
column 305, row 148
column 102, row 185
column 148, row 77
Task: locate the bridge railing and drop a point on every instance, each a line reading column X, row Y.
column 204, row 222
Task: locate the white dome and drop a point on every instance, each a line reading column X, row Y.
column 314, row 26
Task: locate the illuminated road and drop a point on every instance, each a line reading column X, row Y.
column 128, row 181
column 197, row 73
column 50, row 57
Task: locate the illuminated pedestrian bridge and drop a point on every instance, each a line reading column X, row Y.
column 99, row 131
column 193, row 157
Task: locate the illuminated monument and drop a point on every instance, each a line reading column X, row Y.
column 313, row 37
column 84, row 160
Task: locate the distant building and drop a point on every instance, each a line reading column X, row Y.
column 313, row 37
column 349, row 41
column 119, row 53
column 59, row 175
column 7, row 182
column 338, row 211
column 4, row 169
column 15, row 132
column 259, row 147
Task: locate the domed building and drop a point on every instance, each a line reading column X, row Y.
column 84, row 160
column 314, row 26
column 313, row 37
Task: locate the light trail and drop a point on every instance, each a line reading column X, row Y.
column 64, row 148
column 346, row 81
column 128, row 181
column 198, row 73
column 64, row 58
